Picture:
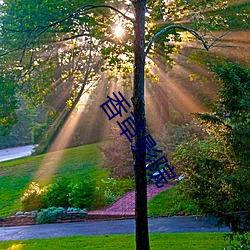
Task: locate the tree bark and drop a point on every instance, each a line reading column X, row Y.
column 142, row 239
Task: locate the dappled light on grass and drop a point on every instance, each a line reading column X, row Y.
column 158, row 241
column 51, row 161
column 15, row 247
column 79, row 118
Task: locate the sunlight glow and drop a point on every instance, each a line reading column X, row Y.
column 52, row 159
column 119, row 31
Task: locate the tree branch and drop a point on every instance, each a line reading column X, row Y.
column 112, row 8
column 42, row 29
column 193, row 32
column 74, row 13
column 87, row 8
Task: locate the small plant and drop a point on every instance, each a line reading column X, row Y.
column 81, row 194
column 103, row 194
column 48, row 215
column 243, row 242
column 33, row 197
column 57, row 193
column 77, row 210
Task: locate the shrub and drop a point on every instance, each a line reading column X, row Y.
column 81, row 194
column 173, row 135
column 38, row 131
column 109, row 189
column 243, row 242
column 123, row 185
column 56, row 194
column 48, row 215
column 216, row 167
column 73, row 209
column 118, row 156
column 33, row 197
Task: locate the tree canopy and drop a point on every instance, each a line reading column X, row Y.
column 50, row 43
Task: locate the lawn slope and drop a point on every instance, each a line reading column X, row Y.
column 16, row 175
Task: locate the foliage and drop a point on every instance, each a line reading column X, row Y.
column 123, row 185
column 118, row 156
column 61, row 193
column 48, row 215
column 236, row 16
column 109, row 189
column 104, row 193
column 8, row 105
column 242, row 239
column 59, row 47
column 32, row 199
column 216, row 168
column 22, row 132
column 81, row 194
column 56, row 194
column 38, row 131
column 173, row 134
column 73, row 209
column 92, row 193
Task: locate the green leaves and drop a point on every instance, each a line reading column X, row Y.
column 217, row 167
column 8, row 105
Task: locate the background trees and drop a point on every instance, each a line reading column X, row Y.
column 8, row 105
column 217, row 166
column 50, row 42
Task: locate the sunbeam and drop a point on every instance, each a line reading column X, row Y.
column 51, row 161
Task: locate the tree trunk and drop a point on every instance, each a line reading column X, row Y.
column 142, row 240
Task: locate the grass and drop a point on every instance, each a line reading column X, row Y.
column 16, row 175
column 169, row 202
column 163, row 241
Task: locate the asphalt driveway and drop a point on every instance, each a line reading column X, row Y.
column 156, row 225
column 17, row 152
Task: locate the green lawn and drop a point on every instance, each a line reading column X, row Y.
column 16, row 175
column 169, row 202
column 170, row 241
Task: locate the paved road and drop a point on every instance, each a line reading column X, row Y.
column 14, row 153
column 156, row 225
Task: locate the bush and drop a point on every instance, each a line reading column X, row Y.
column 81, row 194
column 73, row 209
column 216, row 167
column 243, row 242
column 109, row 189
column 124, row 185
column 118, row 156
column 38, row 131
column 104, row 194
column 57, row 193
column 173, row 135
column 33, row 198
column 48, row 215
